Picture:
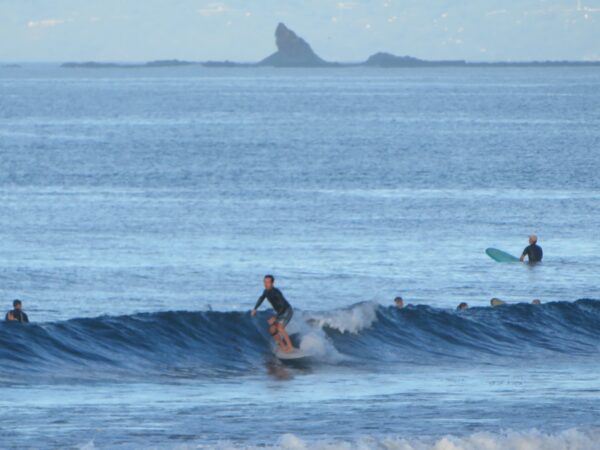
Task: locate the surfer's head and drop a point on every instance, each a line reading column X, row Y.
column 17, row 304
column 536, row 301
column 268, row 281
column 462, row 306
column 399, row 302
column 533, row 239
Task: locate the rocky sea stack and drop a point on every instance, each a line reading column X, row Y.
column 292, row 51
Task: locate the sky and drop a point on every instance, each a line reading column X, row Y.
column 143, row 30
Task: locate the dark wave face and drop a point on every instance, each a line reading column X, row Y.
column 213, row 344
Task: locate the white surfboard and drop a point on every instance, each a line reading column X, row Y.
column 297, row 353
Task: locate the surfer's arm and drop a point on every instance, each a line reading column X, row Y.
column 259, row 301
column 522, row 258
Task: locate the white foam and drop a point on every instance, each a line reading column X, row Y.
column 350, row 320
column 313, row 340
column 313, row 344
column 87, row 445
column 572, row 439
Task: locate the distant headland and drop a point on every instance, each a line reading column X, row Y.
column 293, row 51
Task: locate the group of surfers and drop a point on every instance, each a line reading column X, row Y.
column 284, row 311
column 494, row 302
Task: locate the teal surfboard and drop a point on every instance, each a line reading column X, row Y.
column 500, row 256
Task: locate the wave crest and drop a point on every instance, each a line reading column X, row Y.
column 229, row 343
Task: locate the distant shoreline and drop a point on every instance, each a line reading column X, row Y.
column 294, row 52
column 231, row 64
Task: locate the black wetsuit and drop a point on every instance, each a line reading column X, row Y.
column 18, row 315
column 276, row 299
column 534, row 253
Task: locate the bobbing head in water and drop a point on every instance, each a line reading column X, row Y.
column 399, row 302
column 17, row 313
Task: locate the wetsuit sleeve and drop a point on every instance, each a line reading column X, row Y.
column 260, row 299
column 525, row 252
column 25, row 318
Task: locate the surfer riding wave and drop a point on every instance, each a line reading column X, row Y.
column 284, row 312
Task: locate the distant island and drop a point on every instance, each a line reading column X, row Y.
column 103, row 65
column 293, row 51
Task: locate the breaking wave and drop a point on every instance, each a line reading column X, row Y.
column 210, row 343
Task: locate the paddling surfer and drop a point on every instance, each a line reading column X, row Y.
column 284, row 312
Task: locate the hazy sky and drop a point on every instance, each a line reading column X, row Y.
column 128, row 30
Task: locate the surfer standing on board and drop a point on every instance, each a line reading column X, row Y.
column 533, row 251
column 284, row 313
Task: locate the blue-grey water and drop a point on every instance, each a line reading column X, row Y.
column 140, row 208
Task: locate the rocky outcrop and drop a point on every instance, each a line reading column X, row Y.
column 292, row 51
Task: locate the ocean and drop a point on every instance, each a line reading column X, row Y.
column 141, row 208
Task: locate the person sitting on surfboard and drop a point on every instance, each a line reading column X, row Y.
column 284, row 313
column 533, row 251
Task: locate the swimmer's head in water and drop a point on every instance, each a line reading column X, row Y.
column 17, row 304
column 462, row 306
column 533, row 239
column 537, row 301
column 268, row 281
column 399, row 302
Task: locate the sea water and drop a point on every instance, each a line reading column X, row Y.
column 140, row 209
